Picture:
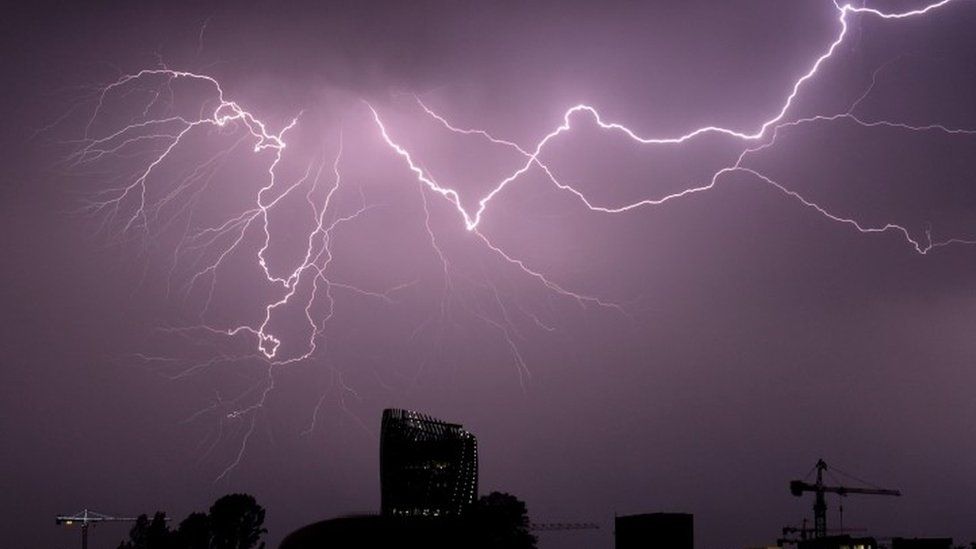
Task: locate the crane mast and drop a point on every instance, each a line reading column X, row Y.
column 820, row 490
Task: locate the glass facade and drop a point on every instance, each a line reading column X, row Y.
column 428, row 467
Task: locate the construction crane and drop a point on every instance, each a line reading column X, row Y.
column 87, row 518
column 553, row 526
column 798, row 487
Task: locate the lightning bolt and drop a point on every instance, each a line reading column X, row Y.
column 130, row 209
column 767, row 130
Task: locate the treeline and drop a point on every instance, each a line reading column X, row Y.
column 235, row 521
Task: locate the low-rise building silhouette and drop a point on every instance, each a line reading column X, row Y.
column 378, row 532
column 838, row 542
column 655, row 531
column 921, row 543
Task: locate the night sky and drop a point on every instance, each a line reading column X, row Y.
column 694, row 355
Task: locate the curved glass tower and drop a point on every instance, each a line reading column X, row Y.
column 428, row 467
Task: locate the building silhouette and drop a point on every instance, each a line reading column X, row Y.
column 378, row 532
column 921, row 543
column 839, row 542
column 428, row 467
column 655, row 531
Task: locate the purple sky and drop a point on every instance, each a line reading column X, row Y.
column 746, row 334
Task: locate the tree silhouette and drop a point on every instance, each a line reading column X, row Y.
column 502, row 522
column 194, row 532
column 150, row 534
column 236, row 522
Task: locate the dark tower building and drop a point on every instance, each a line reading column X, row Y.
column 428, row 467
